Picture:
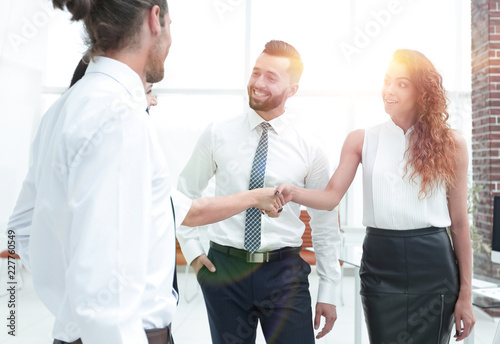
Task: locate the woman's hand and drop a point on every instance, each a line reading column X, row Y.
column 286, row 191
column 269, row 201
column 464, row 318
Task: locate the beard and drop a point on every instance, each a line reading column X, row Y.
column 266, row 105
column 155, row 69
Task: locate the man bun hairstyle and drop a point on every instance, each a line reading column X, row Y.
column 283, row 49
column 79, row 9
column 111, row 24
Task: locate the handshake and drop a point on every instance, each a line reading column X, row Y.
column 270, row 201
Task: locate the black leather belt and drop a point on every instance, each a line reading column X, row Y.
column 257, row 257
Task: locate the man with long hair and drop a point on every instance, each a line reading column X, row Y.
column 94, row 222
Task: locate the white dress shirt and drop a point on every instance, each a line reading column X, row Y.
column 226, row 149
column 390, row 200
column 93, row 221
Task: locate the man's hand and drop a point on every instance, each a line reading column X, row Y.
column 330, row 313
column 201, row 260
column 268, row 200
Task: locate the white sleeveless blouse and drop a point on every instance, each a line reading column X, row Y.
column 391, row 201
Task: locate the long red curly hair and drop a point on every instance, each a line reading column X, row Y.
column 432, row 150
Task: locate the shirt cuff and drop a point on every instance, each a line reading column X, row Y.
column 22, row 249
column 192, row 249
column 327, row 293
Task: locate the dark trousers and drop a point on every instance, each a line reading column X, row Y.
column 240, row 294
column 156, row 336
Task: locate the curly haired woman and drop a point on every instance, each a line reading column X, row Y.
column 414, row 283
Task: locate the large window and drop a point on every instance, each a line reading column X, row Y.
column 345, row 45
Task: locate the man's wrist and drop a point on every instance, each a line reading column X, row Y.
column 254, row 199
column 194, row 262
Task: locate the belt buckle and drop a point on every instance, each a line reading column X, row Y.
column 257, row 257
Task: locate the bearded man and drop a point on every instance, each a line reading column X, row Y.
column 253, row 272
column 94, row 221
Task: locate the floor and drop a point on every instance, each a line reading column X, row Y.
column 34, row 322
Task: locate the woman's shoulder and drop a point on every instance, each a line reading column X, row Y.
column 354, row 141
column 459, row 138
column 461, row 145
column 356, row 135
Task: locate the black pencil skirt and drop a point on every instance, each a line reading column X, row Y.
column 409, row 285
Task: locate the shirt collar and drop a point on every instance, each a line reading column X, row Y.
column 278, row 124
column 122, row 73
column 398, row 129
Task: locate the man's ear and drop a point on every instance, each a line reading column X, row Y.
column 153, row 18
column 293, row 90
